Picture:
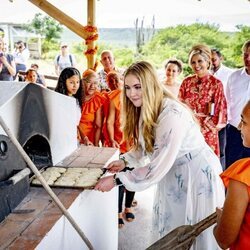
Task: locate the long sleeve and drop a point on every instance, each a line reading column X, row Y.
column 170, row 132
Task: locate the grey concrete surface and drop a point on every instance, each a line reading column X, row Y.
column 136, row 235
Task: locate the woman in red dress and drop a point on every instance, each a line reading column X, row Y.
column 91, row 119
column 203, row 93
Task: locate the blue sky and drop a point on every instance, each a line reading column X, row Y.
column 121, row 14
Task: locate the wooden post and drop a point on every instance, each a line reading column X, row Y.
column 91, row 58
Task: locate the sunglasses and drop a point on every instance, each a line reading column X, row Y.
column 63, row 47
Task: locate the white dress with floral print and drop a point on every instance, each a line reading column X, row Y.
column 185, row 171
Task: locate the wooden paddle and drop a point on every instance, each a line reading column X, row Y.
column 182, row 237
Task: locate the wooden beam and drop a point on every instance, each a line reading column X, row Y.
column 60, row 16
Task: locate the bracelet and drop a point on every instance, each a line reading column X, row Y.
column 123, row 159
column 114, row 180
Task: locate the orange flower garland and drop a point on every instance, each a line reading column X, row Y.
column 91, row 51
column 90, row 29
column 91, row 38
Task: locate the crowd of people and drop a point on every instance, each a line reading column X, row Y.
column 14, row 65
column 176, row 135
column 176, row 145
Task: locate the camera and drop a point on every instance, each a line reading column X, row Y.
column 20, row 46
column 1, row 54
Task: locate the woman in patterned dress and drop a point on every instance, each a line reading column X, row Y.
column 169, row 151
column 203, row 93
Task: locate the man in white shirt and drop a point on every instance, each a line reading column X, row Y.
column 64, row 59
column 221, row 72
column 21, row 56
column 237, row 94
column 108, row 63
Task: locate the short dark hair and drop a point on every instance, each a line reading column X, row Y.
column 34, row 65
column 217, row 51
column 177, row 62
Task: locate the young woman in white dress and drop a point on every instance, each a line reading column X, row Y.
column 169, row 151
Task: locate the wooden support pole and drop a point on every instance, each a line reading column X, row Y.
column 91, row 59
column 60, row 16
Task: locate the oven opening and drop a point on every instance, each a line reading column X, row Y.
column 38, row 149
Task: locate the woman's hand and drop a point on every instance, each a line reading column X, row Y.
column 105, row 184
column 116, row 166
column 115, row 144
column 87, row 142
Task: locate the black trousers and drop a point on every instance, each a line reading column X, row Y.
column 128, row 198
column 234, row 147
column 222, row 143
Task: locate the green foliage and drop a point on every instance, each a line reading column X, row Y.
column 46, row 26
column 237, row 42
column 166, row 43
column 49, row 29
column 177, row 42
column 124, row 57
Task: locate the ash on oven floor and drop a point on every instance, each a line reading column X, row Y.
column 73, row 177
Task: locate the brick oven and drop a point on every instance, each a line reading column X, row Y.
column 43, row 122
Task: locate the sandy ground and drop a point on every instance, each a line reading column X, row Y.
column 136, row 235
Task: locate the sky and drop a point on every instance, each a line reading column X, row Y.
column 123, row 13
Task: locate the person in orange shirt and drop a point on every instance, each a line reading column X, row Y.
column 91, row 119
column 233, row 221
column 114, row 138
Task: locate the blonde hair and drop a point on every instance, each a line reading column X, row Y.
column 153, row 93
column 203, row 50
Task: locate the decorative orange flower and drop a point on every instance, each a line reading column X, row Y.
column 91, row 51
column 91, row 38
column 90, row 29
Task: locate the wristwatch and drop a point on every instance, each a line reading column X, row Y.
column 116, row 181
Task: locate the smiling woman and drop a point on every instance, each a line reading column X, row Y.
column 203, row 93
column 169, row 151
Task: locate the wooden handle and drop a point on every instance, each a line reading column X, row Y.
column 205, row 223
column 19, row 176
column 44, row 183
column 198, row 227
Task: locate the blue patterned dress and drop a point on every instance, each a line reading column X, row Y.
column 185, row 171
